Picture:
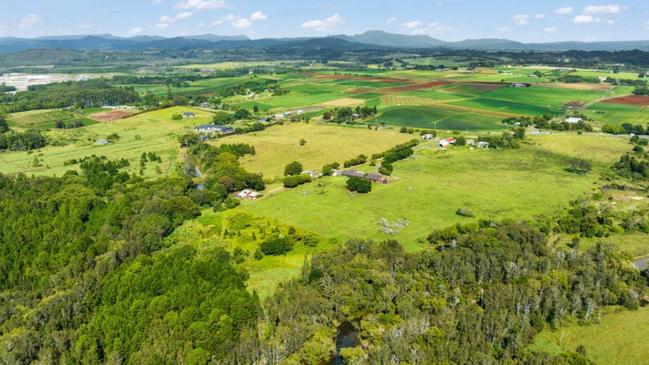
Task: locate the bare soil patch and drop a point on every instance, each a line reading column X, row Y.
column 419, row 86
column 575, row 104
column 343, row 102
column 577, row 86
column 111, row 115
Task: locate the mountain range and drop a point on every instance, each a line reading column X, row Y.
column 368, row 40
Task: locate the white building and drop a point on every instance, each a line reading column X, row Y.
column 573, row 120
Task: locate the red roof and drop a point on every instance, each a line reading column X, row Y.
column 450, row 140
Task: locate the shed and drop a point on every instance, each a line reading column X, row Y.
column 377, row 178
column 102, row 141
column 427, row 137
column 189, row 115
column 573, row 120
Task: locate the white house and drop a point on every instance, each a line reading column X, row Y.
column 443, row 143
column 573, row 120
column 427, row 137
column 248, row 194
column 483, row 144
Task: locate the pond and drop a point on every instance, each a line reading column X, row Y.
column 346, row 337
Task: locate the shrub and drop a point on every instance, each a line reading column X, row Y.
column 359, row 185
column 276, row 246
column 295, row 181
column 464, row 212
column 580, row 166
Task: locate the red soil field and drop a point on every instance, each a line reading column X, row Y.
column 629, row 100
column 425, row 85
column 360, row 78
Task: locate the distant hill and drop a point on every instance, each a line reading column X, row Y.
column 368, row 40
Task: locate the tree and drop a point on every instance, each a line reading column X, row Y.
column 242, row 114
column 276, row 245
column 302, row 142
column 255, row 108
column 359, row 185
column 580, row 166
column 292, row 169
column 4, row 126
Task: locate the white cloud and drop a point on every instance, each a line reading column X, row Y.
column 412, row 24
column 166, row 20
column 602, row 9
column 135, row 30
column 551, row 29
column 564, row 11
column 504, row 29
column 539, row 16
column 200, row 4
column 29, row 21
column 257, row 16
column 391, row 20
column 585, row 19
column 323, row 25
column 521, row 19
column 242, row 23
column 431, row 28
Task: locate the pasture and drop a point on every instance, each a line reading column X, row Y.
column 430, row 186
column 280, row 145
column 148, row 132
column 619, row 338
column 46, row 119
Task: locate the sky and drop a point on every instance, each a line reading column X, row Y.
column 450, row 20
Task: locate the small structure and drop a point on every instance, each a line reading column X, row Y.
column 573, row 120
column 470, row 142
column 313, row 174
column 451, row 140
column 189, row 115
column 443, row 143
column 102, row 141
column 248, row 194
column 521, row 85
column 427, row 137
column 377, row 178
column 213, row 129
column 483, row 144
column 206, row 105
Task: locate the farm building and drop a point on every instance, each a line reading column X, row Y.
column 313, row 174
column 443, row 143
column 483, row 144
column 189, row 115
column 102, row 142
column 521, row 85
column 210, row 128
column 427, row 137
column 573, row 120
column 352, row 173
column 377, row 178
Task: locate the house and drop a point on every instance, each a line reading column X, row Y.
column 102, row 141
column 206, row 105
column 451, row 140
column 352, row 173
column 377, row 178
column 521, row 85
column 573, row 120
column 313, row 174
column 443, row 143
column 189, row 115
column 470, row 142
column 211, row 128
column 483, row 144
column 427, row 137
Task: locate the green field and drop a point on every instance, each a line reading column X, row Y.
column 46, row 119
column 619, row 338
column 618, row 113
column 438, row 118
column 432, row 185
column 280, row 145
column 147, row 132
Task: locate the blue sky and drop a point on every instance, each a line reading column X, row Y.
column 523, row 20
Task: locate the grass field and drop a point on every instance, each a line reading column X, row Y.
column 432, row 185
column 438, row 117
column 46, row 119
column 280, row 145
column 619, row 338
column 148, row 132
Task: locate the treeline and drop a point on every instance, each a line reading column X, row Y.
column 84, row 94
column 346, row 115
column 547, row 121
column 479, row 298
column 394, row 154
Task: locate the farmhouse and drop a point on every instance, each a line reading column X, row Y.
column 573, row 120
column 427, row 137
column 521, row 85
column 483, row 144
column 210, row 128
column 189, row 115
column 377, row 178
column 443, row 143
